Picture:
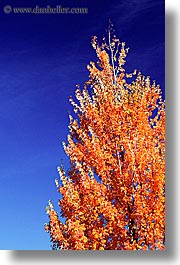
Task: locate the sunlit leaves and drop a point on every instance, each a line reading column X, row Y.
column 113, row 195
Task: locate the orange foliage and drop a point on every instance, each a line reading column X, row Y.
column 113, row 196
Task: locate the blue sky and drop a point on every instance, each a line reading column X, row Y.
column 42, row 58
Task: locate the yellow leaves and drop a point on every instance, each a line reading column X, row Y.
column 96, row 236
column 110, row 197
column 101, row 248
column 94, row 42
column 112, row 218
column 49, row 208
column 94, row 247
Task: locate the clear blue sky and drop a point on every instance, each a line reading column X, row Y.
column 42, row 58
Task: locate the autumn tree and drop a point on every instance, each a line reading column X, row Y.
column 113, row 195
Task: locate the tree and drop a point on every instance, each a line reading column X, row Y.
column 113, row 195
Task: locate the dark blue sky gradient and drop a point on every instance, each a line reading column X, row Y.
column 42, row 58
